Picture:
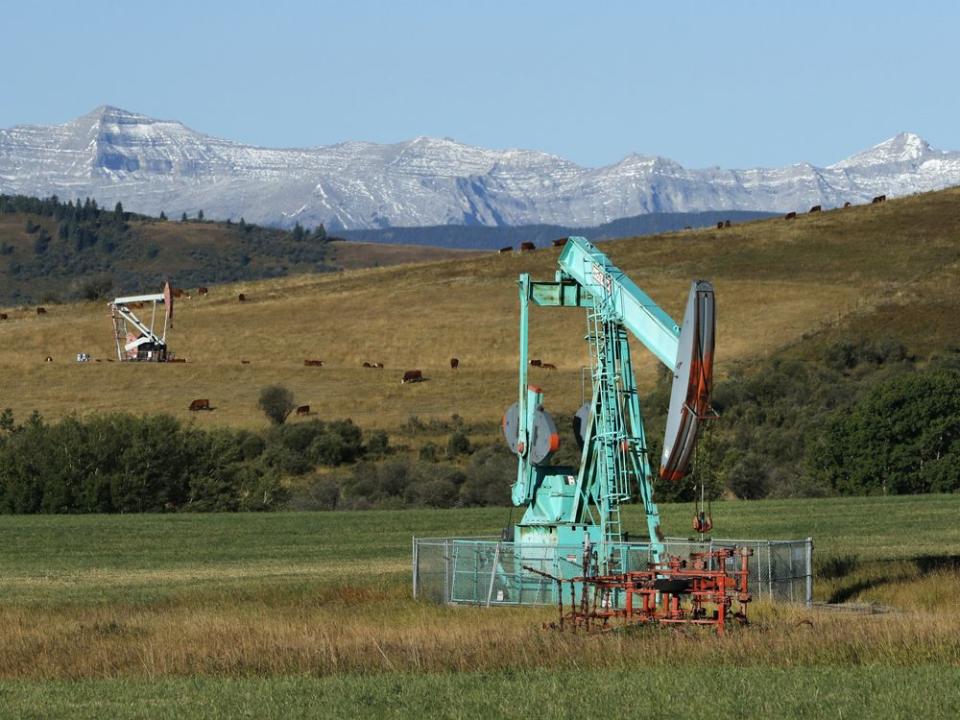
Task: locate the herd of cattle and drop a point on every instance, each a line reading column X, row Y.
column 413, row 376
column 819, row 208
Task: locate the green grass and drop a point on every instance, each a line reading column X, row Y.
column 310, row 615
column 146, row 558
column 680, row 694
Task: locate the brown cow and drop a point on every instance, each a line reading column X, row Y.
column 177, row 292
column 49, row 359
column 504, row 250
column 303, row 410
column 244, row 362
column 367, row 365
column 790, row 216
column 137, row 306
column 816, row 208
column 313, row 363
column 412, row 376
column 454, row 363
column 176, row 360
column 548, row 366
column 202, row 291
column 41, row 311
column 560, row 242
column 847, row 204
column 879, row 199
column 536, row 363
column 241, row 297
column 3, row 316
column 527, row 247
column 378, row 365
column 202, row 404
column 720, row 225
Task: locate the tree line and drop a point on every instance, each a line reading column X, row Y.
column 92, row 251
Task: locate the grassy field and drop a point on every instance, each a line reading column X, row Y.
column 309, row 614
column 782, row 288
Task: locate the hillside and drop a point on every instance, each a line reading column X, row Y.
column 783, row 288
column 481, row 237
column 52, row 251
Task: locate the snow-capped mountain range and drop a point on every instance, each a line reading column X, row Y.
column 158, row 165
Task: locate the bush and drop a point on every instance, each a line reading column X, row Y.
column 277, row 403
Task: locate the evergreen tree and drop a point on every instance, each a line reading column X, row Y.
column 200, row 215
column 183, row 218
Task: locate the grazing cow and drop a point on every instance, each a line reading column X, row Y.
column 366, row 364
column 244, row 362
column 202, row 291
column 241, row 297
column 177, row 292
column 375, row 365
column 454, row 363
column 559, row 242
column 313, row 363
column 548, row 366
column 726, row 223
column 378, row 365
column 816, row 208
column 790, row 216
column 202, row 404
column 3, row 316
column 504, row 251
column 303, row 410
column 879, row 199
column 49, row 359
column 847, row 204
column 137, row 306
column 412, row 376
column 536, row 363
column 527, row 247
column 176, row 360
column 688, row 227
column 41, row 311
column 720, row 225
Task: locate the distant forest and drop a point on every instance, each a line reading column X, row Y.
column 480, row 237
column 60, row 251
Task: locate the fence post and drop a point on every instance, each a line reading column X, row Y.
column 446, row 571
column 493, row 573
column 416, row 566
column 809, row 572
column 769, row 573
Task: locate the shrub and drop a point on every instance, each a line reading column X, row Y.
column 277, row 403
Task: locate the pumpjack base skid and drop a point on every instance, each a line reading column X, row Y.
column 700, row 590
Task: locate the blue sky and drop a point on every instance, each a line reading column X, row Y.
column 734, row 84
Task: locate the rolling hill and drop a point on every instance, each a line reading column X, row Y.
column 783, row 288
column 52, row 251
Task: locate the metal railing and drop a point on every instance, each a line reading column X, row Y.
column 487, row 571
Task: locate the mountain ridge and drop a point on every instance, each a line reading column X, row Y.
column 153, row 165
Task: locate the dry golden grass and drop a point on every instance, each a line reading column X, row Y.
column 346, row 629
column 889, row 269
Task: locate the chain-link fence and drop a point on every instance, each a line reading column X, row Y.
column 485, row 571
